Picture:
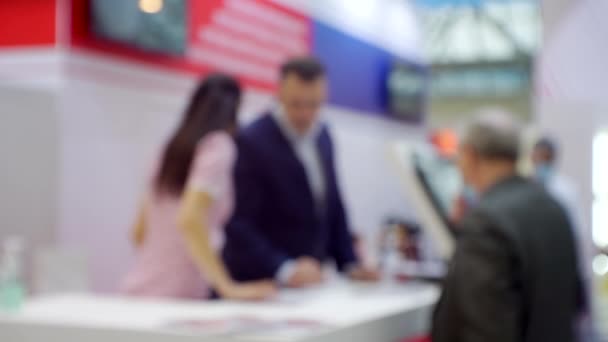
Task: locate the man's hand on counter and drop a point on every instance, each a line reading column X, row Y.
column 307, row 272
column 251, row 291
column 363, row 273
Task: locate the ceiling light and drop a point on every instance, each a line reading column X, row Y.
column 151, row 6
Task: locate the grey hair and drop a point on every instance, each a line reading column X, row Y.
column 494, row 134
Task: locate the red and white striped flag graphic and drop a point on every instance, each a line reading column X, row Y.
column 246, row 38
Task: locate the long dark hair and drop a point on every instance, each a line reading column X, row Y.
column 213, row 107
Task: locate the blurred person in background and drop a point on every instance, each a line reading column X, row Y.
column 180, row 226
column 289, row 216
column 545, row 157
column 446, row 144
column 544, row 160
column 514, row 273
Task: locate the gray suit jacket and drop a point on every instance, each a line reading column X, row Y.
column 514, row 273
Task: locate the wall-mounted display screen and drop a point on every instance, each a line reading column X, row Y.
column 156, row 26
column 406, row 88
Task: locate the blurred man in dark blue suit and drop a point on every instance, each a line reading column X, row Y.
column 289, row 217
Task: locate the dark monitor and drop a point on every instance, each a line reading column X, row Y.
column 406, row 88
column 432, row 183
column 441, row 181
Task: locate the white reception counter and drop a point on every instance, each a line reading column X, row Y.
column 338, row 312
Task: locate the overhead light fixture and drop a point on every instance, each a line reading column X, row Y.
column 151, row 6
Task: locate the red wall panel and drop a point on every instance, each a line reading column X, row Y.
column 27, row 22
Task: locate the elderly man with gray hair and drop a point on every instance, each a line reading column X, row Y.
column 513, row 276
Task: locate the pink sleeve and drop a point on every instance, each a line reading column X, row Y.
column 212, row 164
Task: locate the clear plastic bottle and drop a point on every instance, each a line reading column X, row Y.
column 12, row 289
column 390, row 258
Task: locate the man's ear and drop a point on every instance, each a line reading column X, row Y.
column 474, row 158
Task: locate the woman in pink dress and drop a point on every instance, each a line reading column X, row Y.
column 179, row 228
